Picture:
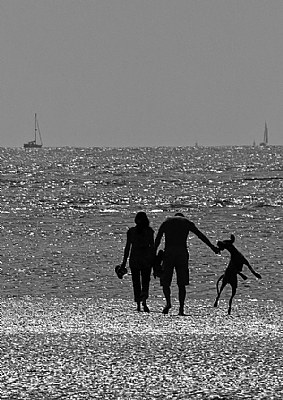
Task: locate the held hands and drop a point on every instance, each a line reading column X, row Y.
column 215, row 249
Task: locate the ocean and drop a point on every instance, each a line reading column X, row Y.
column 69, row 327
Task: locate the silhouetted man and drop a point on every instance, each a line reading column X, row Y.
column 176, row 230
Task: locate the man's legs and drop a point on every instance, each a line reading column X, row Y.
column 166, row 280
column 182, row 297
column 183, row 279
column 178, row 258
column 167, row 294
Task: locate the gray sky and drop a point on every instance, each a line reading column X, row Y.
column 141, row 72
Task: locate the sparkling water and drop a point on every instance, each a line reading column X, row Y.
column 69, row 327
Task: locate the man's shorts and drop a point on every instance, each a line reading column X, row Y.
column 177, row 258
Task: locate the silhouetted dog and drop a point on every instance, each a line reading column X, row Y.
column 235, row 266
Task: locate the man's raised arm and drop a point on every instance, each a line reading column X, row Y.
column 203, row 238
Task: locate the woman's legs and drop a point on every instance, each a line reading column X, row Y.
column 136, row 286
column 145, row 279
column 141, row 279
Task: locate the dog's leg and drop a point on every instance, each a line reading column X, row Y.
column 234, row 289
column 219, row 291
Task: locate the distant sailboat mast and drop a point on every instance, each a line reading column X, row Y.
column 33, row 144
column 37, row 129
column 265, row 136
column 265, row 139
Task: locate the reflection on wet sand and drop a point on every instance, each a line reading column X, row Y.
column 104, row 349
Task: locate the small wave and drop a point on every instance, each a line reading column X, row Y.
column 157, row 210
column 183, row 205
column 262, row 204
column 263, row 179
column 224, row 203
column 109, row 210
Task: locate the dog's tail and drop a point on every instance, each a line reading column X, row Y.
column 217, row 283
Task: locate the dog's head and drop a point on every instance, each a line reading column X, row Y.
column 226, row 244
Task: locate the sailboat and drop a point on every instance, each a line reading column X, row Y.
column 265, row 136
column 33, row 144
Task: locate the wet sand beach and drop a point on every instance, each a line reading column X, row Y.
column 104, row 349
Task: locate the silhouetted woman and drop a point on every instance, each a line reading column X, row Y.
column 140, row 247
